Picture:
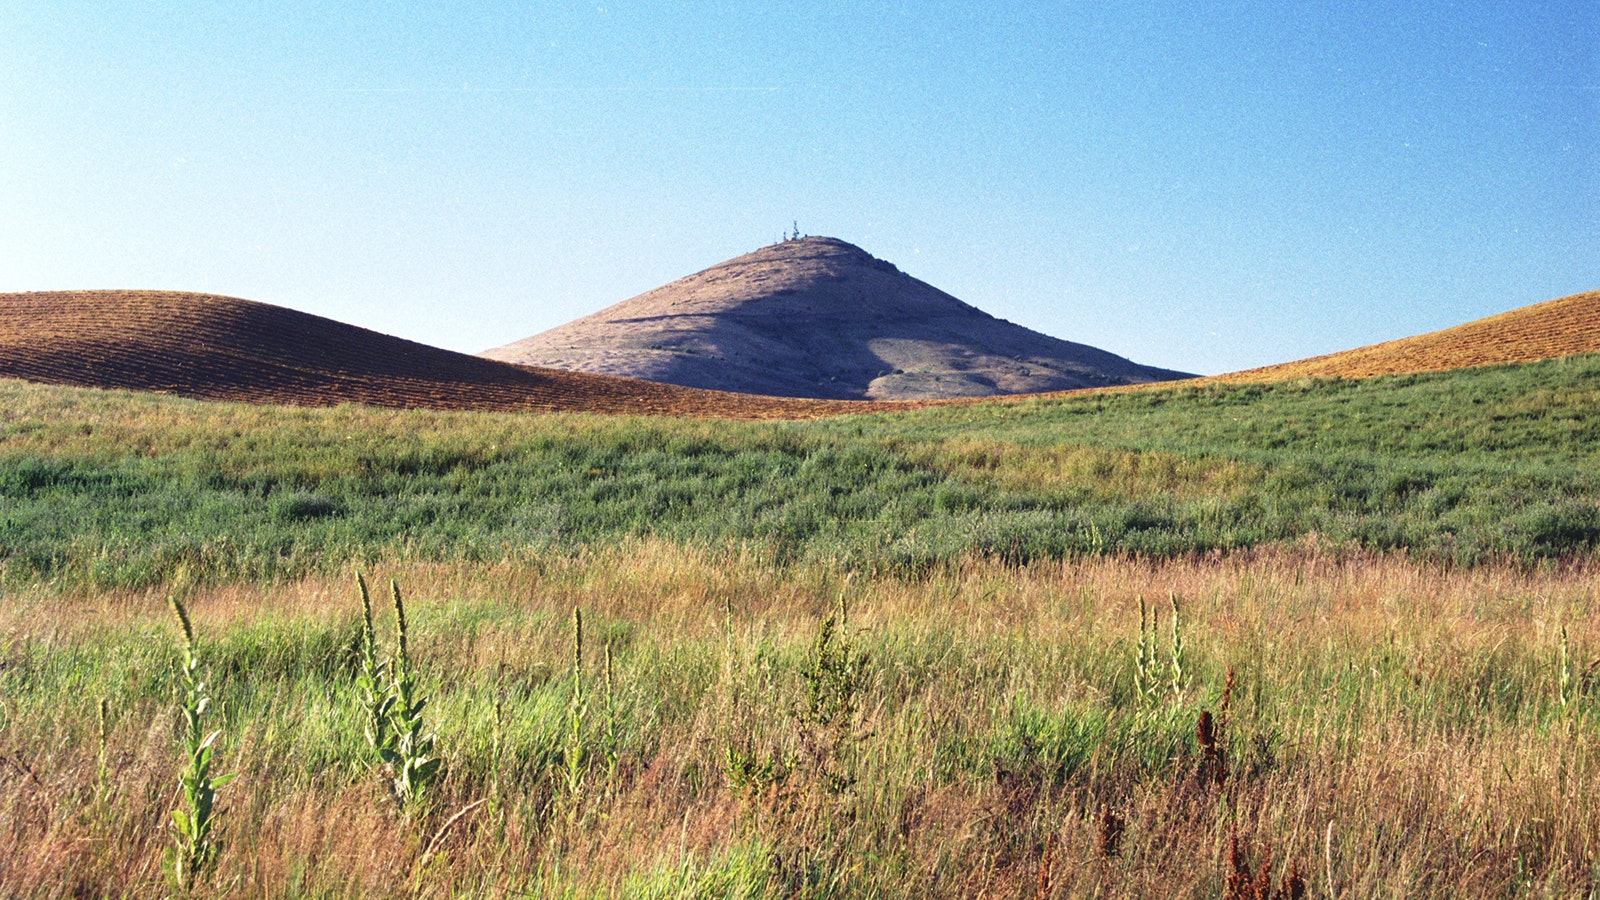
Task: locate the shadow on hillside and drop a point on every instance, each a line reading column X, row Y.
column 799, row 345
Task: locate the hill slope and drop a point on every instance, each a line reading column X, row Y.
column 1565, row 326
column 223, row 348
column 817, row 317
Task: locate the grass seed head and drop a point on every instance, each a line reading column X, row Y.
column 401, row 656
column 183, row 621
column 577, row 641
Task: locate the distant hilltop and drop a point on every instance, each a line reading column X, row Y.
column 223, row 348
column 818, row 317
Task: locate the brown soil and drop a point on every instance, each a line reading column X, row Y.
column 222, row 348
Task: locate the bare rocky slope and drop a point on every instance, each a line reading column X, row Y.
column 818, row 317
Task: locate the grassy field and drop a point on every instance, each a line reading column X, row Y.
column 105, row 490
column 1333, row 637
column 1392, row 729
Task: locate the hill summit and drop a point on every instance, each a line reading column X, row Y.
column 819, row 317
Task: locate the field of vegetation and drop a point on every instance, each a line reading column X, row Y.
column 1322, row 638
column 102, row 490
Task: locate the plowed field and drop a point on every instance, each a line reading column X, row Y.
column 223, row 348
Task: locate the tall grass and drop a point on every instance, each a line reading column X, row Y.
column 104, row 490
column 1369, row 667
column 1394, row 728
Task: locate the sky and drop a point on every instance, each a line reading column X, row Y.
column 1204, row 187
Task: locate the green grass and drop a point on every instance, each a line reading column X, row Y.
column 972, row 723
column 103, row 490
column 1416, row 697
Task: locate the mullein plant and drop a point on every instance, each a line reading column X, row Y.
column 1179, row 658
column 195, row 846
column 613, row 735
column 413, row 759
column 392, row 708
column 575, row 754
column 372, row 682
column 1146, row 658
column 1148, row 671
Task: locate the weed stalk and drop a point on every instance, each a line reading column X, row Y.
column 1145, row 675
column 1564, row 672
column 372, row 683
column 412, row 755
column 835, row 676
column 574, row 754
column 1179, row 667
column 195, row 845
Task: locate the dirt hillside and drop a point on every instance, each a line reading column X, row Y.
column 817, row 317
column 223, row 348
column 1554, row 328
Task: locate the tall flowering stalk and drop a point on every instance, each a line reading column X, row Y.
column 195, row 846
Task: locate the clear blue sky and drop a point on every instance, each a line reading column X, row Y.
column 1200, row 186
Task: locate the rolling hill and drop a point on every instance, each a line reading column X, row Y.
column 223, row 348
column 1565, row 326
column 818, row 317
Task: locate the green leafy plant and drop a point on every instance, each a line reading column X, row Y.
column 1146, row 677
column 195, row 845
column 1149, row 673
column 748, row 770
column 575, row 754
column 1178, row 661
column 372, row 682
column 392, row 707
column 412, row 756
column 612, row 739
column 835, row 677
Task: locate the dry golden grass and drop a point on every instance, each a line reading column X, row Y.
column 1566, row 326
column 1563, row 327
column 1368, row 745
